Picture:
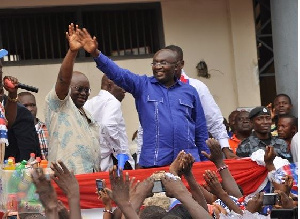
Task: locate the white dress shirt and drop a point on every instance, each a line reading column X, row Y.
column 106, row 110
column 213, row 115
column 294, row 147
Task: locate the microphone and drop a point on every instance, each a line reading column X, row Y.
column 9, row 84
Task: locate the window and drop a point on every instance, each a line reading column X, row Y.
column 123, row 30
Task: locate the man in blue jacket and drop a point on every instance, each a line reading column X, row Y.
column 170, row 111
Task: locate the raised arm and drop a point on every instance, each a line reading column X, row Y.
column 124, row 78
column 11, row 103
column 176, row 189
column 66, row 70
column 216, row 157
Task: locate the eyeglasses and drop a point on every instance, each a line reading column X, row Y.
column 87, row 90
column 162, row 63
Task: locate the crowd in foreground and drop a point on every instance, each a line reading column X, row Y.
column 215, row 199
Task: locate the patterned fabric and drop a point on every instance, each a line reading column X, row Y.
column 252, row 144
column 43, row 135
column 71, row 138
column 3, row 126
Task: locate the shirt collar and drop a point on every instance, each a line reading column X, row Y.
column 153, row 80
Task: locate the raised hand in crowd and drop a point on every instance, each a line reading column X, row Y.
column 176, row 189
column 285, row 201
column 103, row 195
column 216, row 156
column 272, row 110
column 139, row 191
column 69, row 185
column 72, row 37
column 213, row 183
column 46, row 192
column 182, row 165
column 120, row 192
column 269, row 158
column 255, row 204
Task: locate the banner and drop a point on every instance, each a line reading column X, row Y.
column 246, row 173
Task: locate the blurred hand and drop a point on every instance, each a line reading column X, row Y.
column 65, row 180
column 213, row 183
column 285, row 201
column 63, row 212
column 176, row 165
column 174, row 187
column 119, row 186
column 216, row 155
column 288, row 184
column 269, row 155
column 103, row 195
column 47, row 193
column 255, row 204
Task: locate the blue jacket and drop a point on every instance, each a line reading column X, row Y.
column 172, row 118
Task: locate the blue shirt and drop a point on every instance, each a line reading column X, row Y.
column 172, row 118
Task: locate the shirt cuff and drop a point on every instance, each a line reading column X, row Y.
column 224, row 143
column 101, row 60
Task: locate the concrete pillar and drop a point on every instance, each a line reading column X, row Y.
column 284, row 16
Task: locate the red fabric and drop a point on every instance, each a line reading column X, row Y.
column 247, row 174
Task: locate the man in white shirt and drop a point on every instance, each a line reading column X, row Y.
column 106, row 110
column 213, row 115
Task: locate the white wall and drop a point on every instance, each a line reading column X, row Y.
column 219, row 31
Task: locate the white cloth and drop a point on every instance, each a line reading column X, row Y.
column 294, row 147
column 106, row 110
column 213, row 115
column 258, row 157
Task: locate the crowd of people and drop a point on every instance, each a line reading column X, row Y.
column 177, row 115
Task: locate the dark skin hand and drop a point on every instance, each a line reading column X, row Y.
column 120, row 192
column 10, row 106
column 255, row 204
column 216, row 157
column 47, row 194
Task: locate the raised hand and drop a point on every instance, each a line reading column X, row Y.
column 73, row 38
column 269, row 155
column 284, row 200
column 89, row 44
column 103, row 195
column 255, row 204
column 11, row 89
column 65, row 180
column 176, row 165
column 288, row 184
column 174, row 187
column 213, row 183
column 45, row 190
column 119, row 186
column 216, row 155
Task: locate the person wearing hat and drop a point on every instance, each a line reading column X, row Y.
column 260, row 118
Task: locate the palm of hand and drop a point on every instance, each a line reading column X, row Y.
column 74, row 43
